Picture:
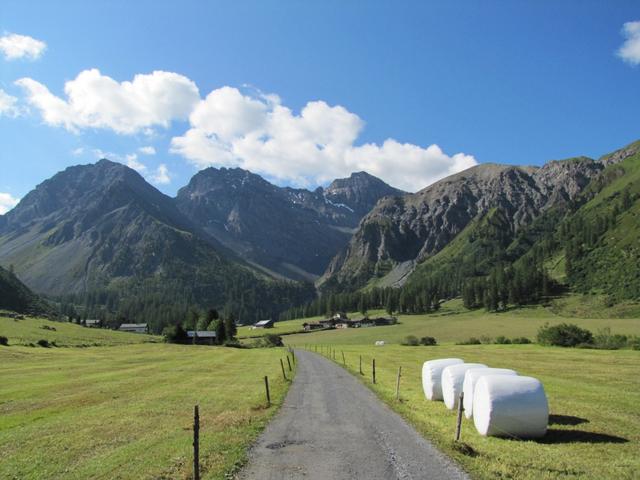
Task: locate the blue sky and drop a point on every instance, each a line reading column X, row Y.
column 303, row 92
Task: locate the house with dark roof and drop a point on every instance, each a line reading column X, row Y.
column 202, row 337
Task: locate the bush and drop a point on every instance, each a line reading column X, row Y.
column 175, row 334
column 428, row 341
column 44, row 343
column 470, row 341
column 502, row 340
column 608, row 341
column 4, row 341
column 268, row 341
column 520, row 341
column 411, row 341
column 564, row 335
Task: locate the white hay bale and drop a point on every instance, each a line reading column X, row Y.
column 510, row 406
column 379, row 343
column 452, row 379
column 471, row 377
column 431, row 374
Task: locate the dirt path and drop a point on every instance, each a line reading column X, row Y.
column 333, row 427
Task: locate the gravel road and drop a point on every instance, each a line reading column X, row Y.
column 333, row 427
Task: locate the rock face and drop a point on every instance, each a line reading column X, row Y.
column 91, row 224
column 402, row 231
column 294, row 232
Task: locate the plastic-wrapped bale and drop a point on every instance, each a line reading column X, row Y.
column 471, row 377
column 510, row 406
column 432, row 373
column 452, row 379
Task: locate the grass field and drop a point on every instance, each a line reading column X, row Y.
column 453, row 324
column 126, row 411
column 594, row 430
column 30, row 330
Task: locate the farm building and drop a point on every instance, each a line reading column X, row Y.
column 134, row 327
column 202, row 337
column 91, row 323
column 264, row 324
column 312, row 326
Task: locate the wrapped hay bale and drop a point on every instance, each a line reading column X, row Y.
column 471, row 377
column 452, row 379
column 510, row 406
column 431, row 375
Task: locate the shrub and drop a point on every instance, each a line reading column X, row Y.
column 520, row 341
column 268, row 341
column 44, row 343
column 608, row 341
column 564, row 335
column 428, row 341
column 470, row 341
column 411, row 340
column 4, row 341
column 502, row 340
column 175, row 334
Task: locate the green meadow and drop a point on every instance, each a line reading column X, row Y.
column 30, row 330
column 120, row 412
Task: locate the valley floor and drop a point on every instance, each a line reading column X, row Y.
column 126, row 412
column 594, row 430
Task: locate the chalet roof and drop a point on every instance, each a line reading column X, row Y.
column 133, row 325
column 202, row 334
column 263, row 322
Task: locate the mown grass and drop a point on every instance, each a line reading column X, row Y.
column 30, row 330
column 453, row 324
column 594, row 430
column 126, row 411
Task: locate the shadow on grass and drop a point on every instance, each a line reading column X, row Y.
column 566, row 420
column 579, row 436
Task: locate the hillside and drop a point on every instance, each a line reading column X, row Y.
column 294, row 232
column 101, row 236
column 16, row 296
column 400, row 233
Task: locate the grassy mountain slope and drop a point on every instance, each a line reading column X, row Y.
column 16, row 296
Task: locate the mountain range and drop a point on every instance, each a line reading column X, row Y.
column 100, row 235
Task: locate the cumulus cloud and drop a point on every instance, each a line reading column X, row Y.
column 8, row 105
column 7, row 202
column 259, row 133
column 630, row 49
column 94, row 100
column 149, row 150
column 161, row 176
column 14, row 46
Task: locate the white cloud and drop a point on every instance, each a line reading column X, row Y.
column 161, row 175
column 630, row 49
column 131, row 160
column 7, row 202
column 147, row 150
column 260, row 134
column 8, row 105
column 76, row 152
column 14, row 46
column 98, row 101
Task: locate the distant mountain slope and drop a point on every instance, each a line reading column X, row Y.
column 294, row 232
column 401, row 232
column 16, row 296
column 102, row 228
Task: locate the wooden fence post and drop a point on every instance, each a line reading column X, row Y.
column 266, row 386
column 374, row 370
column 361, row 365
column 293, row 356
column 398, row 383
column 289, row 362
column 196, row 443
column 459, row 419
column 284, row 375
column 344, row 362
